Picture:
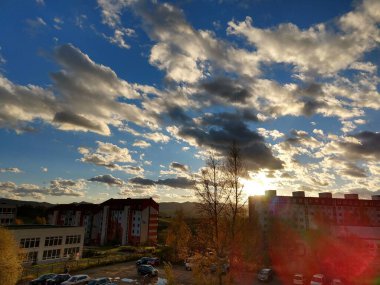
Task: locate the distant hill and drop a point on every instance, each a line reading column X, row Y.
column 20, row 203
column 190, row 209
column 166, row 208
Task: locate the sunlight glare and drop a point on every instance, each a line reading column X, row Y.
column 257, row 184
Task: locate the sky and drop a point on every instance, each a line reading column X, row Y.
column 124, row 98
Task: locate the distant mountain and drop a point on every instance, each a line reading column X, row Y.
column 19, row 203
column 190, row 209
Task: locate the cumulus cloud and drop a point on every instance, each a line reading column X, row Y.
column 89, row 98
column 67, row 187
column 57, row 187
column 108, row 179
column 319, row 48
column 107, row 155
column 365, row 145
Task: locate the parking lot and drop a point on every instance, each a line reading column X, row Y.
column 126, row 273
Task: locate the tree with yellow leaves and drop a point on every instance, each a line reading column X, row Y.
column 178, row 237
column 10, row 260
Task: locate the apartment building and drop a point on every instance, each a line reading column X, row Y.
column 48, row 243
column 343, row 217
column 7, row 214
column 115, row 221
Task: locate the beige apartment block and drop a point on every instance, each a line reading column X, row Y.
column 49, row 243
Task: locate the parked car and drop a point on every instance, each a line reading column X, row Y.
column 100, row 281
column 147, row 270
column 142, row 260
column 318, row 279
column 298, row 279
column 265, row 275
column 77, row 280
column 154, row 261
column 57, row 279
column 188, row 264
column 42, row 279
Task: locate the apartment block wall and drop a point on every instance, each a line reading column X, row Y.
column 7, row 214
column 44, row 243
column 115, row 221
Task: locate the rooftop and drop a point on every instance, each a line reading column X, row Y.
column 33, row 226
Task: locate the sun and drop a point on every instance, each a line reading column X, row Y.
column 257, row 184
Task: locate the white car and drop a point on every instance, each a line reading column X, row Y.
column 336, row 281
column 77, row 280
column 318, row 279
column 188, row 264
column 298, row 279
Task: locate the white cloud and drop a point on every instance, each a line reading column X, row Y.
column 10, row 169
column 141, row 144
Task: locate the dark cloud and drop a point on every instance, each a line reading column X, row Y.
column 178, row 182
column 142, row 181
column 77, row 120
column 253, row 148
column 353, row 170
column 227, row 89
column 179, row 166
column 368, row 147
column 311, row 106
column 108, row 179
column 178, row 114
column 224, row 118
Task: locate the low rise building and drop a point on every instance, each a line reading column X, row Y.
column 115, row 221
column 48, row 243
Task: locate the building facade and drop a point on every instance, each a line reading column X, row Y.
column 342, row 218
column 48, row 243
column 7, row 214
column 115, row 221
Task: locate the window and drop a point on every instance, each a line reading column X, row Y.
column 30, row 257
column 51, row 241
column 29, row 242
column 70, row 251
column 51, row 254
column 72, row 239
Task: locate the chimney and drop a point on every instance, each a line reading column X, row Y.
column 298, row 193
column 270, row 193
column 325, row 195
column 351, row 196
column 375, row 197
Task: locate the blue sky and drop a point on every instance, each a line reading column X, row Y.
column 125, row 98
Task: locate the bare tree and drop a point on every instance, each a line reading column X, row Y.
column 213, row 196
column 235, row 170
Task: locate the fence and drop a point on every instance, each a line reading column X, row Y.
column 74, row 265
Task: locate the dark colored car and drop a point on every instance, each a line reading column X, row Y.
column 142, row 260
column 58, row 279
column 100, row 281
column 154, row 261
column 42, row 279
column 265, row 275
column 147, row 270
